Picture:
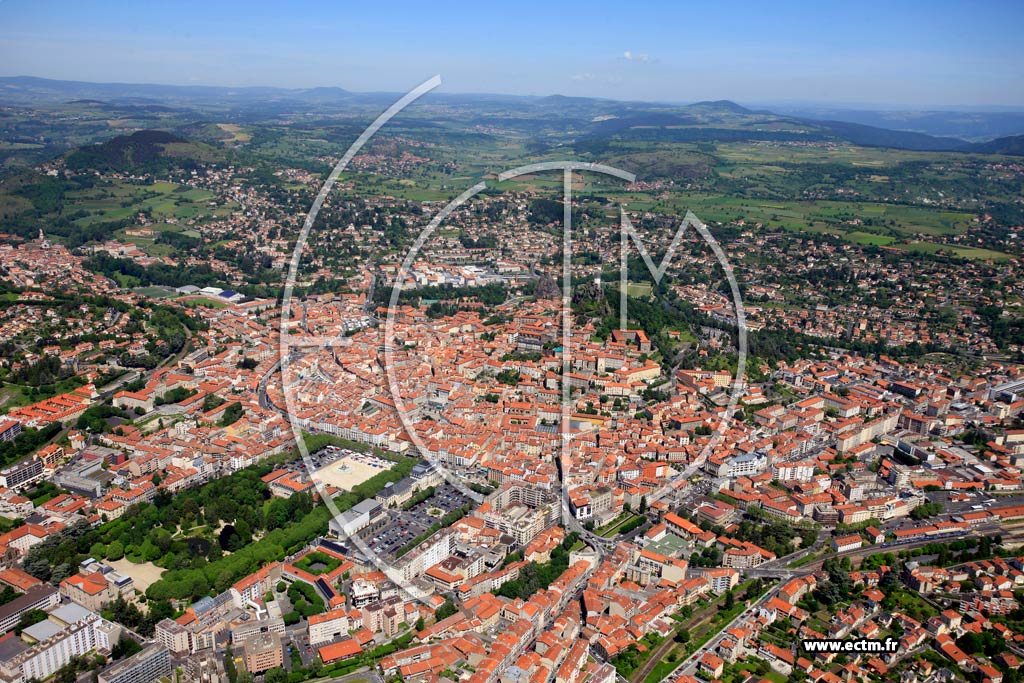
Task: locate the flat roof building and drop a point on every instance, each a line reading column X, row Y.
column 263, row 652
column 153, row 662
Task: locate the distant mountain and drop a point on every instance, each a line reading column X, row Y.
column 1013, row 144
column 870, row 136
column 548, row 122
column 561, row 100
column 725, row 121
column 721, row 105
column 323, row 94
column 974, row 126
column 29, row 90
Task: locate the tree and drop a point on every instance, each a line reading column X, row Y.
column 33, row 616
column 925, row 510
column 61, row 572
column 229, row 538
column 276, row 675
column 446, row 610
column 232, row 414
column 8, row 594
column 125, row 647
column 682, row 636
column 115, row 551
column 229, row 666
column 244, row 532
column 211, row 401
column 149, row 551
column 38, row 567
column 316, row 667
column 161, row 538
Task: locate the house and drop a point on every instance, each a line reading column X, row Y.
column 843, row 544
column 94, row 589
column 711, row 666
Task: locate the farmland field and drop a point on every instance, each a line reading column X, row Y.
column 973, row 253
column 162, row 200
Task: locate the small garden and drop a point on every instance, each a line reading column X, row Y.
column 317, row 563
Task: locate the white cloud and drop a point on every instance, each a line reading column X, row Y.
column 631, row 57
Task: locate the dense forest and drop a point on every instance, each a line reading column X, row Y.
column 141, row 152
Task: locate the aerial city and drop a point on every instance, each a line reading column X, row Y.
column 511, row 344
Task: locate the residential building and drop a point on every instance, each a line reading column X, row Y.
column 263, row 652
column 153, row 662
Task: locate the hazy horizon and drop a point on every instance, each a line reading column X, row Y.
column 441, row 90
column 917, row 55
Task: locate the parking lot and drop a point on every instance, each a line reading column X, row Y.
column 406, row 525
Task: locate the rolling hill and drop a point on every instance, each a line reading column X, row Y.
column 145, row 151
column 550, row 122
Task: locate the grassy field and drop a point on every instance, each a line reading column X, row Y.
column 7, row 145
column 860, row 237
column 118, row 200
column 238, row 134
column 837, row 217
column 920, row 229
column 155, row 292
column 206, row 302
column 687, row 336
column 663, row 668
column 612, row 528
column 639, row 289
column 11, row 204
column 768, row 152
column 973, row 253
column 897, row 198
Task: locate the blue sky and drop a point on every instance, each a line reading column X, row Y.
column 914, row 53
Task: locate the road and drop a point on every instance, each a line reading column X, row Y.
column 364, row 674
column 127, row 378
column 786, row 573
column 261, row 392
column 368, row 307
column 688, row 667
column 601, row 545
column 174, row 358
